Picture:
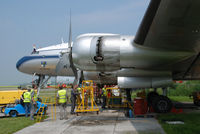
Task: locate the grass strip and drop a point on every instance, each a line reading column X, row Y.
column 191, row 123
column 181, row 98
column 10, row 125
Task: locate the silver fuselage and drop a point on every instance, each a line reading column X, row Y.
column 109, row 59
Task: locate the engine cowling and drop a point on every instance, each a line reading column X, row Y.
column 97, row 52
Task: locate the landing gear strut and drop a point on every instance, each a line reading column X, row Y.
column 41, row 82
column 128, row 94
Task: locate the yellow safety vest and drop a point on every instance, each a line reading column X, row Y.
column 27, row 97
column 104, row 92
column 35, row 94
column 62, row 96
column 79, row 89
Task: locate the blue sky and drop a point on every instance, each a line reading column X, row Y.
column 44, row 22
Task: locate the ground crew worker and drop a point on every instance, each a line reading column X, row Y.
column 62, row 100
column 79, row 90
column 79, row 95
column 74, row 94
column 27, row 100
column 104, row 95
column 33, row 101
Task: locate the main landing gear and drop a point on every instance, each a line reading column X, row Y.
column 160, row 103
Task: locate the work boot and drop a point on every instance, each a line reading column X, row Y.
column 66, row 118
column 72, row 113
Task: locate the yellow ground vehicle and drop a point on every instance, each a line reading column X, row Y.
column 116, row 99
column 9, row 97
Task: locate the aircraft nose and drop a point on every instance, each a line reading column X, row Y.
column 20, row 62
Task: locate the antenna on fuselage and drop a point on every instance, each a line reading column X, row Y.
column 62, row 40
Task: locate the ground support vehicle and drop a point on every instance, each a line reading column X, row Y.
column 19, row 109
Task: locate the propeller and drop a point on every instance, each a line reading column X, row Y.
column 64, row 61
column 66, row 58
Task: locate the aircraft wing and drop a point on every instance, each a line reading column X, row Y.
column 173, row 25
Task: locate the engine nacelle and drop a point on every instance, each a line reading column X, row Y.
column 144, row 82
column 97, row 52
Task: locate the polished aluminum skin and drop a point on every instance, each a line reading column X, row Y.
column 116, row 59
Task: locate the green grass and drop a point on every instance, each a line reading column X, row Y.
column 8, row 86
column 11, row 125
column 191, row 120
column 181, row 98
column 173, row 98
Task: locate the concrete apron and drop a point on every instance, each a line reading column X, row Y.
column 107, row 122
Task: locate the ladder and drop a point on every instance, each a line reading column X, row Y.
column 87, row 103
column 41, row 113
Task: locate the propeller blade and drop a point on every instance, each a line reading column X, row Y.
column 76, row 80
column 70, row 32
column 65, row 58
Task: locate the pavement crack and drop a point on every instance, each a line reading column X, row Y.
column 116, row 123
column 70, row 125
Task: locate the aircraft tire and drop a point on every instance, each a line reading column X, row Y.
column 13, row 113
column 162, row 104
column 151, row 96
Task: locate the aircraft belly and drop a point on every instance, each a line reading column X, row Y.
column 125, row 75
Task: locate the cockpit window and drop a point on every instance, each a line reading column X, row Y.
column 35, row 52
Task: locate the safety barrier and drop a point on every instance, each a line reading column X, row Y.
column 87, row 103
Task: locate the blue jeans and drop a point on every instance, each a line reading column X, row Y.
column 104, row 102
column 73, row 105
column 27, row 108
